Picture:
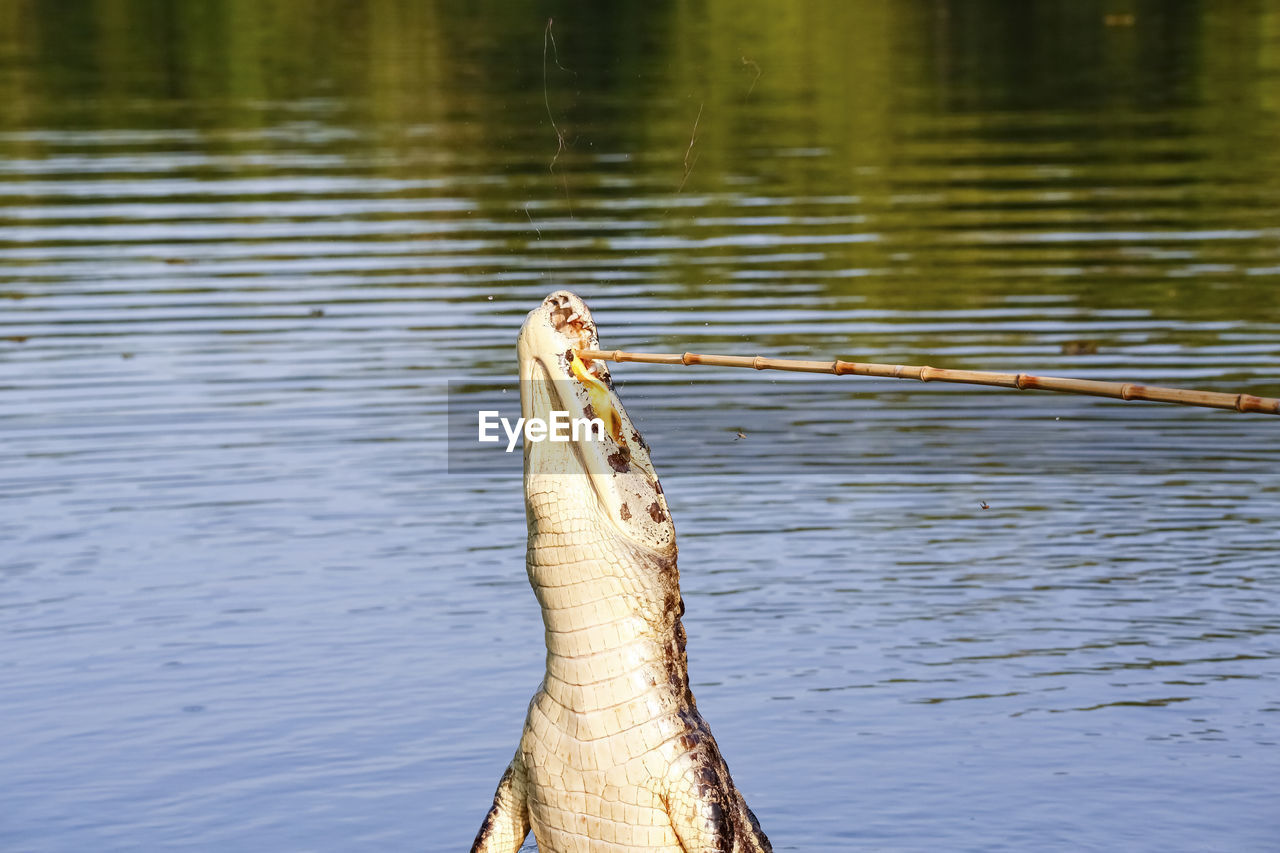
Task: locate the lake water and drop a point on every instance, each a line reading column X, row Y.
column 247, row 250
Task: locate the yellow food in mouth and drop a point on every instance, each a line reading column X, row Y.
column 599, row 397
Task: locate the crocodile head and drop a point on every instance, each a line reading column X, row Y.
column 605, row 473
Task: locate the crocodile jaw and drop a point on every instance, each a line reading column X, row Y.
column 612, row 476
column 602, row 549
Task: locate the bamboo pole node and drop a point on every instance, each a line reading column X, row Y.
column 1239, row 402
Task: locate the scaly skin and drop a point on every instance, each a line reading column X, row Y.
column 614, row 756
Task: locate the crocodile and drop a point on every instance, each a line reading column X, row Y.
column 614, row 755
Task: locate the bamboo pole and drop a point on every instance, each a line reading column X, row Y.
column 1020, row 381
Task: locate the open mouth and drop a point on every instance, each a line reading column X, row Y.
column 578, row 328
column 571, row 383
column 566, row 320
column 611, row 453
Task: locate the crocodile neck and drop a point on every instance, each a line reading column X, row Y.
column 610, row 610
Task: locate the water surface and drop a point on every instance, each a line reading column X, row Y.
column 245, row 253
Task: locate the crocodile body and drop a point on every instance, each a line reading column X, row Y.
column 614, row 755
